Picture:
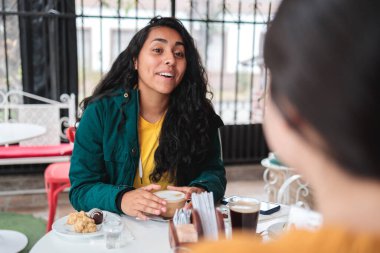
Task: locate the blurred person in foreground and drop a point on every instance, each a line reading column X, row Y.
column 322, row 118
column 149, row 125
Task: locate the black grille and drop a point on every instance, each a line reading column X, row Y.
column 243, row 143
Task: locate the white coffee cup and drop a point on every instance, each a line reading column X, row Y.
column 174, row 200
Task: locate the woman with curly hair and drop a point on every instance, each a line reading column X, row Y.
column 148, row 126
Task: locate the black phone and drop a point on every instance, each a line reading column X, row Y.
column 267, row 208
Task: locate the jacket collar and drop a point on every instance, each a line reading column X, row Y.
column 121, row 96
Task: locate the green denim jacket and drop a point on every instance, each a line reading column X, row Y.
column 104, row 160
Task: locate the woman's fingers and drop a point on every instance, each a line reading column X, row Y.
column 146, row 209
column 188, row 195
column 188, row 205
column 138, row 202
column 150, row 196
column 142, row 201
column 148, row 205
column 151, row 187
column 178, row 188
column 141, row 216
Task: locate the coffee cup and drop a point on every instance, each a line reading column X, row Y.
column 244, row 213
column 174, row 200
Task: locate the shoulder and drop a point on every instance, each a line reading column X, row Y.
column 115, row 98
column 323, row 240
column 215, row 121
column 240, row 243
column 331, row 239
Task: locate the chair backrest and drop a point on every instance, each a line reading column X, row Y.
column 70, row 134
column 44, row 112
column 291, row 191
column 46, row 115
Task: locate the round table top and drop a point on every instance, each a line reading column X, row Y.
column 144, row 236
column 268, row 164
column 16, row 132
column 147, row 236
column 12, row 241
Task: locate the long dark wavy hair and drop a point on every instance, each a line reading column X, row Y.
column 185, row 136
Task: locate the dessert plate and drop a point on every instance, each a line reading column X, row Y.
column 12, row 241
column 60, row 227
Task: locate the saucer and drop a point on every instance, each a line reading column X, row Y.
column 12, row 241
column 157, row 218
column 61, row 228
column 277, row 229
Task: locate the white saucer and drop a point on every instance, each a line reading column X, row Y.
column 12, row 241
column 61, row 228
column 277, row 229
column 158, row 218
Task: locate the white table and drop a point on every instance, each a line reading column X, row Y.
column 16, row 132
column 15, row 241
column 12, row 241
column 150, row 236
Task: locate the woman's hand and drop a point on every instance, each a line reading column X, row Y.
column 142, row 200
column 188, row 191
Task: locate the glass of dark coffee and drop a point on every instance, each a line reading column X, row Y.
column 244, row 214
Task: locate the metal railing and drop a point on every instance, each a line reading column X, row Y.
column 77, row 40
column 229, row 36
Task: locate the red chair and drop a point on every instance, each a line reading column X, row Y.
column 56, row 180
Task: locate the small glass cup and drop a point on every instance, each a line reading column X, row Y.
column 226, row 218
column 112, row 231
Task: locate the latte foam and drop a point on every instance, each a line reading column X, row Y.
column 170, row 195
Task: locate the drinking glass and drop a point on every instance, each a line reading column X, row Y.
column 244, row 213
column 112, row 228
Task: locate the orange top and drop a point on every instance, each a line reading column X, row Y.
column 327, row 239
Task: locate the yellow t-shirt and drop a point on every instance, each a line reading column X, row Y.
column 149, row 134
column 328, row 239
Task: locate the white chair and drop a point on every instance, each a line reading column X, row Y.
column 283, row 195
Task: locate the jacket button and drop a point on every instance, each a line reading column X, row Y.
column 126, row 95
column 133, row 150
